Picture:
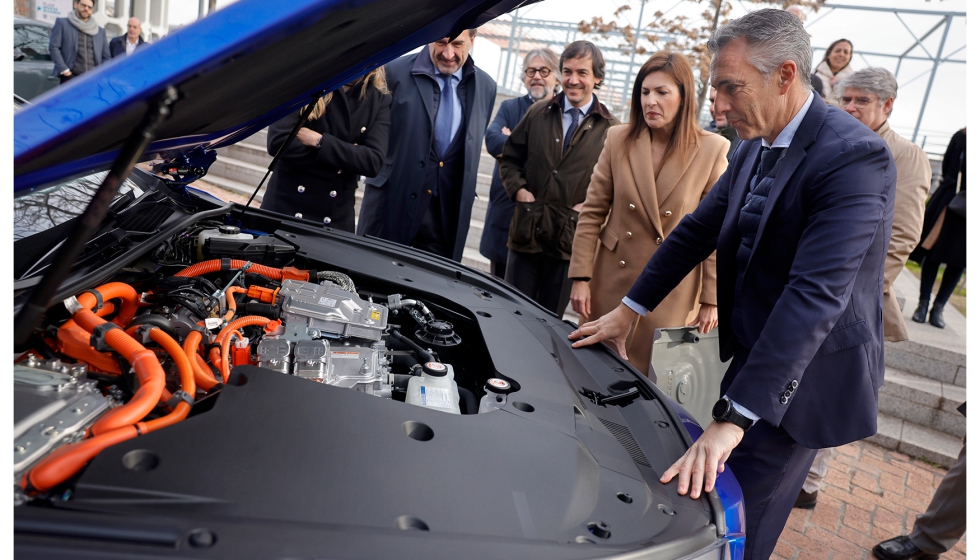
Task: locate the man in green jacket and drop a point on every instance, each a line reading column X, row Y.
column 546, row 166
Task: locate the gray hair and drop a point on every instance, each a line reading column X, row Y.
column 774, row 36
column 876, row 80
column 549, row 57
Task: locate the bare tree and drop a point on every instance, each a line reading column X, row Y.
column 680, row 32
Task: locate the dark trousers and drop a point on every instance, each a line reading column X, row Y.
column 942, row 525
column 951, row 277
column 544, row 279
column 498, row 269
column 433, row 235
column 770, row 467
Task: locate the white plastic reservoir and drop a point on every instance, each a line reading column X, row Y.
column 434, row 389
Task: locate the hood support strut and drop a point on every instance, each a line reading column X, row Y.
column 91, row 219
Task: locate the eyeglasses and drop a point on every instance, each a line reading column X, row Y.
column 859, row 102
column 88, row 7
column 544, row 71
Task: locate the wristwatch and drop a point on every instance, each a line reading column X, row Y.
column 723, row 411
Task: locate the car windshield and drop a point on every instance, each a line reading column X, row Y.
column 47, row 208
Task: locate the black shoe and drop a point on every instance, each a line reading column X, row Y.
column 936, row 317
column 901, row 548
column 921, row 311
column 806, row 500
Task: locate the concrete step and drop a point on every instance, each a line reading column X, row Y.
column 927, row 360
column 236, row 187
column 923, row 401
column 237, row 170
column 249, row 153
column 917, row 441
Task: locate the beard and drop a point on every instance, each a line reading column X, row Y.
column 537, row 92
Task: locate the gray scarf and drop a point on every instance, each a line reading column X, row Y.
column 88, row 27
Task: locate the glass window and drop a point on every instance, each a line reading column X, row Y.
column 32, row 40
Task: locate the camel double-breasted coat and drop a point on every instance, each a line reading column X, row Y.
column 627, row 214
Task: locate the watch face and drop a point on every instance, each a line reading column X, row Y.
column 720, row 408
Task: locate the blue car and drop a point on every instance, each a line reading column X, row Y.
column 195, row 378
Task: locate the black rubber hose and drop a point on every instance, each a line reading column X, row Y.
column 399, row 381
column 467, row 399
column 158, row 321
column 404, row 360
column 429, row 356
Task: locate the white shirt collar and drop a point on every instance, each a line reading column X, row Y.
column 566, row 106
column 784, row 138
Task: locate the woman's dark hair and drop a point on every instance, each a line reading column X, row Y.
column 686, row 133
column 583, row 49
column 830, row 49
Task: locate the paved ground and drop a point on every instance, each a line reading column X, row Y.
column 870, row 495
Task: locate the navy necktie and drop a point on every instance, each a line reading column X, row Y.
column 444, row 117
column 768, row 160
column 574, row 112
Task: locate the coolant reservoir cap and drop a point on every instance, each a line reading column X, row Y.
column 497, row 385
column 435, row 369
column 229, row 230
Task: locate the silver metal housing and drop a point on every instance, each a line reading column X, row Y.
column 331, row 310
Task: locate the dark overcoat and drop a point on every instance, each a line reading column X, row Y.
column 117, row 46
column 811, row 296
column 948, row 244
column 319, row 185
column 395, row 200
column 493, row 244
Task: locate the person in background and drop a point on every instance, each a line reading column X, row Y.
column 125, row 45
column 943, row 234
column 545, row 167
column 869, row 96
column 441, row 106
column 836, row 65
column 800, row 224
column 541, row 81
column 798, row 12
column 344, row 137
column 719, row 125
column 77, row 43
column 651, row 173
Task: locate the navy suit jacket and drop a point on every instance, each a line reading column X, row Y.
column 117, row 46
column 493, row 244
column 63, row 46
column 811, row 299
column 394, row 200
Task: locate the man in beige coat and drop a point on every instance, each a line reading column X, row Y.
column 868, row 95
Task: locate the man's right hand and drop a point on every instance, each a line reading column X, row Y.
column 614, row 325
column 66, row 73
column 505, row 131
column 524, row 195
column 581, row 298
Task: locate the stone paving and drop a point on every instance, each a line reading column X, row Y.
column 870, row 495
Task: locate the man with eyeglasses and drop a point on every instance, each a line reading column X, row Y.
column 77, row 42
column 869, row 95
column 540, row 76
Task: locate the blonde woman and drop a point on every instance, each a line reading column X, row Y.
column 344, row 137
column 652, row 172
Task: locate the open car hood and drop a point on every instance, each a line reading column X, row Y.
column 236, row 71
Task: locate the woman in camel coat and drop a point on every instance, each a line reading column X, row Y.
column 651, row 173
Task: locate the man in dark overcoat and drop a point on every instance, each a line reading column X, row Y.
column 801, row 222
column 127, row 44
column 441, row 106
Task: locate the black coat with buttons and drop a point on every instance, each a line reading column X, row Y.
column 319, row 184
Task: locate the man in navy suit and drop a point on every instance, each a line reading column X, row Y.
column 441, row 106
column 77, row 43
column 127, row 44
column 801, row 222
column 541, row 80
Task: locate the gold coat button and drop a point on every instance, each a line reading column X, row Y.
column 632, row 206
column 363, row 129
column 668, row 213
column 629, row 234
column 440, row 164
column 659, row 241
column 622, row 264
column 429, row 191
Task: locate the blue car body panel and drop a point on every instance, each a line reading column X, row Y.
column 728, row 490
column 128, row 84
